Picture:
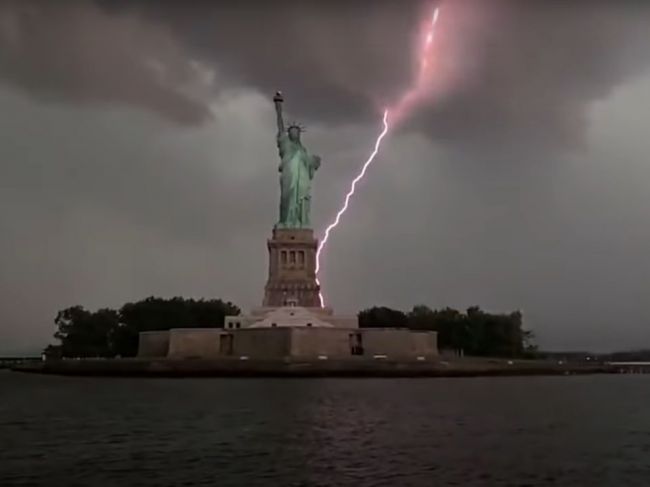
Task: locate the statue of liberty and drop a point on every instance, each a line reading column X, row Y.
column 297, row 168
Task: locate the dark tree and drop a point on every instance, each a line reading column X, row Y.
column 84, row 333
column 109, row 333
column 163, row 314
column 382, row 317
column 450, row 324
column 474, row 332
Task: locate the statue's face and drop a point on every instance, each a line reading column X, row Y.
column 294, row 134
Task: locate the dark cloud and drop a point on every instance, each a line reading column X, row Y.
column 76, row 52
column 509, row 72
column 532, row 69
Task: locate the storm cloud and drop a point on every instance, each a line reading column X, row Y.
column 77, row 52
column 507, row 71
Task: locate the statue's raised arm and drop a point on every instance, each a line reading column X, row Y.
column 278, row 100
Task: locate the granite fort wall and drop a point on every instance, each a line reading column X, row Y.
column 153, row 344
column 312, row 342
column 194, row 342
column 262, row 342
column 398, row 343
column 280, row 342
column 425, row 343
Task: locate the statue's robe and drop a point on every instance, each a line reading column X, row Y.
column 296, row 172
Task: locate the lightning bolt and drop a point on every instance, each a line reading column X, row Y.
column 344, row 208
column 398, row 111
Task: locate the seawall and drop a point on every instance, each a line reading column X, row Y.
column 356, row 367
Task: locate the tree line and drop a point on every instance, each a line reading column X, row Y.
column 114, row 333
column 473, row 332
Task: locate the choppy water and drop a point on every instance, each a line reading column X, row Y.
column 567, row 431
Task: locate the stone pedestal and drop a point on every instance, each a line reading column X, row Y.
column 292, row 269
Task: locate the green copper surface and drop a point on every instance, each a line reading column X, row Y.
column 297, row 168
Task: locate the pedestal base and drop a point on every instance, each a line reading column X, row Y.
column 292, row 269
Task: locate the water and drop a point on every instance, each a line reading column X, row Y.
column 567, row 431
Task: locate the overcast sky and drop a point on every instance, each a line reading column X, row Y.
column 137, row 157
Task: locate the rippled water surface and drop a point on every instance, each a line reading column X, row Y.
column 568, row 431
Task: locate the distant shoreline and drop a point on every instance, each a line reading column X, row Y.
column 361, row 367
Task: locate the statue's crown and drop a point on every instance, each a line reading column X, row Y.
column 296, row 125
